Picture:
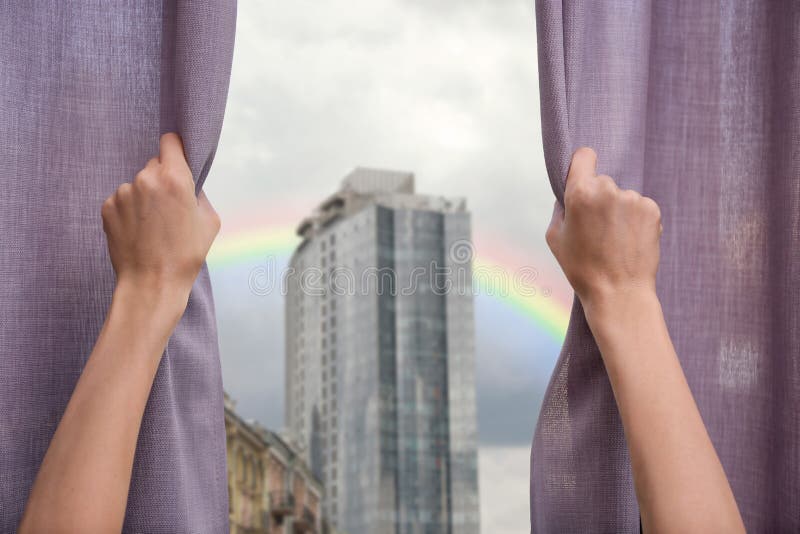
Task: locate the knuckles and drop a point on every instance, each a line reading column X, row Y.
column 606, row 182
column 652, row 208
column 644, row 208
column 145, row 182
column 173, row 179
column 124, row 192
column 599, row 190
column 157, row 180
column 602, row 192
column 550, row 236
column 108, row 208
column 579, row 195
column 630, row 197
column 153, row 180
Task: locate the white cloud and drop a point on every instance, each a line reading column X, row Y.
column 504, row 489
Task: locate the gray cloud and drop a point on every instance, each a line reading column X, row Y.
column 445, row 89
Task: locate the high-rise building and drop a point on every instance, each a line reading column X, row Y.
column 380, row 385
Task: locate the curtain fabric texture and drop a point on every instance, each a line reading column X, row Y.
column 86, row 88
column 697, row 105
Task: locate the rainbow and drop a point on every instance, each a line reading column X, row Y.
column 550, row 313
column 253, row 244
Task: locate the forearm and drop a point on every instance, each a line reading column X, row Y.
column 82, row 485
column 679, row 481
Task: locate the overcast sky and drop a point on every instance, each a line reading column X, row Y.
column 446, row 89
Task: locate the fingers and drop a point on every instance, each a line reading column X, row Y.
column 118, row 204
column 174, row 167
column 208, row 214
column 108, row 211
column 582, row 166
column 558, row 214
column 554, row 229
column 603, row 181
column 584, row 187
column 654, row 213
column 123, row 195
column 171, row 150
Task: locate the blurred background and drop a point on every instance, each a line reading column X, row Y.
column 445, row 90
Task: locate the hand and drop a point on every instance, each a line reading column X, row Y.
column 158, row 232
column 605, row 239
column 158, row 236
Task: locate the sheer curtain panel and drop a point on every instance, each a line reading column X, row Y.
column 86, row 88
column 696, row 104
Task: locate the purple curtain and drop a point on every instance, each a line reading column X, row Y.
column 696, row 104
column 86, row 88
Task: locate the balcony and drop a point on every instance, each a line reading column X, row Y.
column 305, row 522
column 281, row 503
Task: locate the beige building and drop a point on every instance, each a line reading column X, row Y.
column 270, row 488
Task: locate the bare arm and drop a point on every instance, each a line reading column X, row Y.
column 158, row 236
column 607, row 242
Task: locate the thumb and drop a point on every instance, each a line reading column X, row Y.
column 582, row 167
column 553, row 234
column 208, row 215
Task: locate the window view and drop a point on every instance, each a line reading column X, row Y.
column 362, row 149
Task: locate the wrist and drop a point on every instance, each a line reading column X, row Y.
column 165, row 302
column 619, row 309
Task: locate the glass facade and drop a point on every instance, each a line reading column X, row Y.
column 380, row 386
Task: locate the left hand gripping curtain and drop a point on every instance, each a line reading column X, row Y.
column 86, row 88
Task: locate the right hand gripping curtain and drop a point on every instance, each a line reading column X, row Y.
column 697, row 105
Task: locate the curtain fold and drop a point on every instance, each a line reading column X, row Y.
column 86, row 88
column 696, row 104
